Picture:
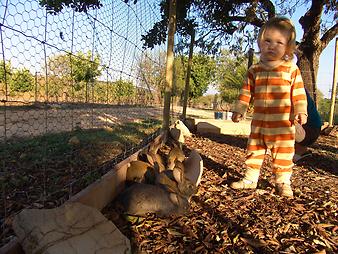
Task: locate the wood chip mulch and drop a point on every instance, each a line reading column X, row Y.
column 222, row 220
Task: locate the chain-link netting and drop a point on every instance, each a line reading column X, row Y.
column 78, row 93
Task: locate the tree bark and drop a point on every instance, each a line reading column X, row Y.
column 187, row 80
column 308, row 64
column 169, row 65
column 312, row 45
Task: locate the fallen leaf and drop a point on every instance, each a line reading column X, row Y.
column 253, row 242
column 174, row 232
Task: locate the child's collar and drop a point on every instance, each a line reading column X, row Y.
column 271, row 64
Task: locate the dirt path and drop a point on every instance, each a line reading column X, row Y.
column 25, row 123
column 34, row 122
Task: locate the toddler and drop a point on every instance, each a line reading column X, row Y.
column 275, row 85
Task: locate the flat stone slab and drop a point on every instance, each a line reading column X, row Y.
column 71, row 228
column 219, row 126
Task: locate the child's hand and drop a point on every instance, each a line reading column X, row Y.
column 301, row 118
column 236, row 117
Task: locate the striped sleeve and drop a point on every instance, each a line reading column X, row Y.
column 245, row 94
column 299, row 100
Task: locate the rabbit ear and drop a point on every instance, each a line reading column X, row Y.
column 156, row 159
column 154, row 146
column 178, row 175
column 174, row 198
column 193, row 167
column 136, row 170
column 175, row 154
column 150, row 159
column 165, row 181
column 176, row 134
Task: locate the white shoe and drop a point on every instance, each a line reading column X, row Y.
column 283, row 189
column 243, row 184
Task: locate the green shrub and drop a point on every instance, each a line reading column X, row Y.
column 22, row 81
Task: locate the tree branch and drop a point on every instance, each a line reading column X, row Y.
column 255, row 21
column 328, row 36
column 251, row 16
column 310, row 22
column 269, row 7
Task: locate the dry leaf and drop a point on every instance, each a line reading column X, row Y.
column 174, row 232
column 253, row 242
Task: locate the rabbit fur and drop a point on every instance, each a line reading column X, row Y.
column 167, row 194
column 140, row 199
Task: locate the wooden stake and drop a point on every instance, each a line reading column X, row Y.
column 334, row 85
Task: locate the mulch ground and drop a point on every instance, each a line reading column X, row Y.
column 222, row 220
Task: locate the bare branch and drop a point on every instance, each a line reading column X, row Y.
column 328, row 36
column 310, row 21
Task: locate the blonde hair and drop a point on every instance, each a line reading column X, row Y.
column 285, row 25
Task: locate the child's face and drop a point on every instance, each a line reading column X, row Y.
column 273, row 44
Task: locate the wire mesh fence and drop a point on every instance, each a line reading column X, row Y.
column 78, row 93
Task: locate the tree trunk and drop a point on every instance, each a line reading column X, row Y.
column 313, row 44
column 187, row 80
column 169, row 65
column 308, row 63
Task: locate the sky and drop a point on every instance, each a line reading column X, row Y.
column 126, row 38
column 326, row 70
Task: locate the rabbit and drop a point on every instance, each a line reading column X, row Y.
column 179, row 131
column 169, row 195
column 140, row 171
column 148, row 155
column 193, row 167
column 140, row 199
column 174, row 181
column 175, row 153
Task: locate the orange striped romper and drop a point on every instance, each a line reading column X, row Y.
column 278, row 95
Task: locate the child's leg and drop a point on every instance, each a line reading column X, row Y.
column 254, row 161
column 283, row 184
column 282, row 155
